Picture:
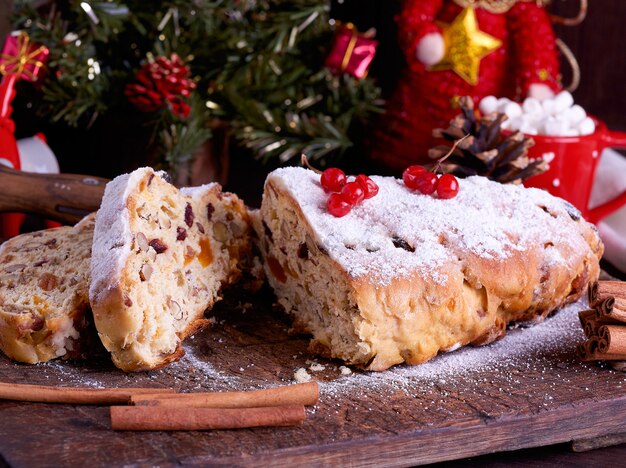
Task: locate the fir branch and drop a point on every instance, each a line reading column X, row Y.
column 259, row 65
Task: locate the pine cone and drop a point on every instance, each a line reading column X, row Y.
column 487, row 151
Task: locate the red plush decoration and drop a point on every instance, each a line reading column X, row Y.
column 525, row 55
column 352, row 52
column 162, row 83
column 9, row 155
column 19, row 60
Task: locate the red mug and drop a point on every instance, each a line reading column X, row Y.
column 573, row 169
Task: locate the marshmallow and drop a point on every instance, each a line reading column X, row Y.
column 528, row 129
column 555, row 127
column 502, row 103
column 532, row 106
column 488, row 105
column 575, row 115
column 563, row 101
column 513, row 124
column 556, row 117
column 532, row 120
column 548, row 106
column 587, row 126
column 512, row 110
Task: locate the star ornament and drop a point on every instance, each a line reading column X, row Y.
column 466, row 46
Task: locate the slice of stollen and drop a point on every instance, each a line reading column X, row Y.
column 44, row 304
column 160, row 258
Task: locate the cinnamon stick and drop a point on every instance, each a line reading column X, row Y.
column 606, row 308
column 589, row 322
column 148, row 418
column 588, row 351
column 300, row 394
column 73, row 395
column 611, row 299
column 612, row 340
column 592, row 294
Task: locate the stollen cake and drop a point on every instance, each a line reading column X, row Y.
column 44, row 303
column 160, row 258
column 405, row 276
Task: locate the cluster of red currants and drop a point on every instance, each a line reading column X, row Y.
column 345, row 194
column 418, row 178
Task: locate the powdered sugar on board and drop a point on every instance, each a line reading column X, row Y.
column 486, row 219
column 522, row 347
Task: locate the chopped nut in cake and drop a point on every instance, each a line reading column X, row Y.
column 44, row 304
column 161, row 257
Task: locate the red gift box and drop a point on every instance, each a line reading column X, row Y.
column 22, row 58
column 352, row 52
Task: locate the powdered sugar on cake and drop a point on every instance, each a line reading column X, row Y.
column 111, row 245
column 486, row 219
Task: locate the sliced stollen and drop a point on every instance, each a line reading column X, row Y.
column 404, row 276
column 44, row 303
column 160, row 258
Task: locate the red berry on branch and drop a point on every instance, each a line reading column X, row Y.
column 368, row 185
column 337, row 206
column 333, row 179
column 447, row 186
column 353, row 193
column 426, row 182
column 409, row 176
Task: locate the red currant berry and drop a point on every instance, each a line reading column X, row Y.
column 426, row 182
column 447, row 186
column 368, row 185
column 333, row 179
column 353, row 193
column 409, row 176
column 337, row 206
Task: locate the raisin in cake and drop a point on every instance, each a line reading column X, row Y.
column 404, row 276
column 44, row 303
column 160, row 258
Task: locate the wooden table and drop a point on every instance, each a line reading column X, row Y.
column 526, row 391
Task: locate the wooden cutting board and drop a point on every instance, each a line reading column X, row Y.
column 525, row 391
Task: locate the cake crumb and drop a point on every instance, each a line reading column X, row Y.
column 345, row 370
column 315, row 367
column 301, row 375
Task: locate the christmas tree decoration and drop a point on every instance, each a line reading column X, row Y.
column 466, row 45
column 482, row 148
column 476, row 48
column 162, row 83
column 352, row 52
column 21, row 58
column 258, row 67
